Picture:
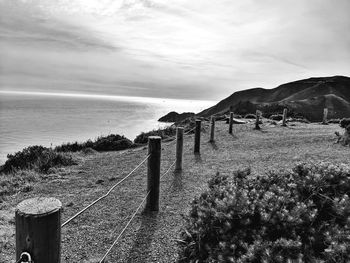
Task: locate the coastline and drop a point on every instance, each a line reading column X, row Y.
column 50, row 120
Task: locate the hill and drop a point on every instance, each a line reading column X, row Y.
column 176, row 117
column 306, row 97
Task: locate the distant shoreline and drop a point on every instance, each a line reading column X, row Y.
column 52, row 120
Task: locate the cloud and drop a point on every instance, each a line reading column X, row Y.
column 196, row 49
column 24, row 24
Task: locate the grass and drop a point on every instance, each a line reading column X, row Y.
column 112, row 142
column 19, row 181
column 153, row 237
column 164, row 133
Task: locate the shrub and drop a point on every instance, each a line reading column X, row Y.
column 112, row 142
column 344, row 122
column 302, row 120
column 36, row 157
column 276, row 117
column 250, row 116
column 163, row 133
column 302, row 214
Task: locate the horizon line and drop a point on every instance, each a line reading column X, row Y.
column 98, row 96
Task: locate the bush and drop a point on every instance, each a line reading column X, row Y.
column 276, row 117
column 250, row 116
column 163, row 133
column 344, row 122
column 36, row 157
column 112, row 142
column 303, row 214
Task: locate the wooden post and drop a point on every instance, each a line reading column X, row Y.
column 230, row 123
column 153, row 173
column 197, row 136
column 257, row 127
column 38, row 229
column 325, row 113
column 212, row 129
column 231, row 108
column 179, row 147
column 285, row 110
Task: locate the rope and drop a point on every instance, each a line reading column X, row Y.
column 168, row 169
column 132, row 217
column 126, row 226
column 190, row 131
column 104, row 196
column 173, row 138
column 170, row 142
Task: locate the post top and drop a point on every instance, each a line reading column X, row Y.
column 39, row 206
column 154, row 137
column 198, row 120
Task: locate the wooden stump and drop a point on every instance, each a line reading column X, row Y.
column 325, row 114
column 257, row 127
column 197, row 136
column 230, row 123
column 179, row 148
column 38, row 229
column 153, row 173
column 212, row 129
column 284, row 117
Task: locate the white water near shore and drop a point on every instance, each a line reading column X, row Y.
column 53, row 118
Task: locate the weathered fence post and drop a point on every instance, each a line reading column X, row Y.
column 257, row 127
column 285, row 110
column 38, row 230
column 197, row 136
column 179, row 147
column 153, row 173
column 230, row 123
column 325, row 113
column 212, row 129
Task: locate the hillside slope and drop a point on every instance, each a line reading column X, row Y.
column 153, row 237
column 307, row 97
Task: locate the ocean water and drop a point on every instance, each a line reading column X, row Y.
column 52, row 119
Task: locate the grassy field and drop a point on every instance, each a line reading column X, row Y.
column 153, row 237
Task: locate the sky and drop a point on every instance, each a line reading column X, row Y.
column 198, row 49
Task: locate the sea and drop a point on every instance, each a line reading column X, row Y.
column 50, row 119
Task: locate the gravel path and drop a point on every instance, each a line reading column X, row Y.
column 153, row 237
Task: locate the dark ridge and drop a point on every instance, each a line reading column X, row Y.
column 176, row 117
column 306, row 97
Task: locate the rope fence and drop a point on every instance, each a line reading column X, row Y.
column 105, row 195
column 132, row 217
column 29, row 223
column 124, row 229
column 38, row 231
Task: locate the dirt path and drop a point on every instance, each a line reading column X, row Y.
column 152, row 237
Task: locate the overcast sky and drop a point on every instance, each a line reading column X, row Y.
column 194, row 49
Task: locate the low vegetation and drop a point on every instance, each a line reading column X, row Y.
column 302, row 214
column 167, row 132
column 38, row 158
column 250, row 116
column 112, row 142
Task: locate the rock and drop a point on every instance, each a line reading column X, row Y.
column 276, row 117
column 176, row 117
column 250, row 116
column 235, row 121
